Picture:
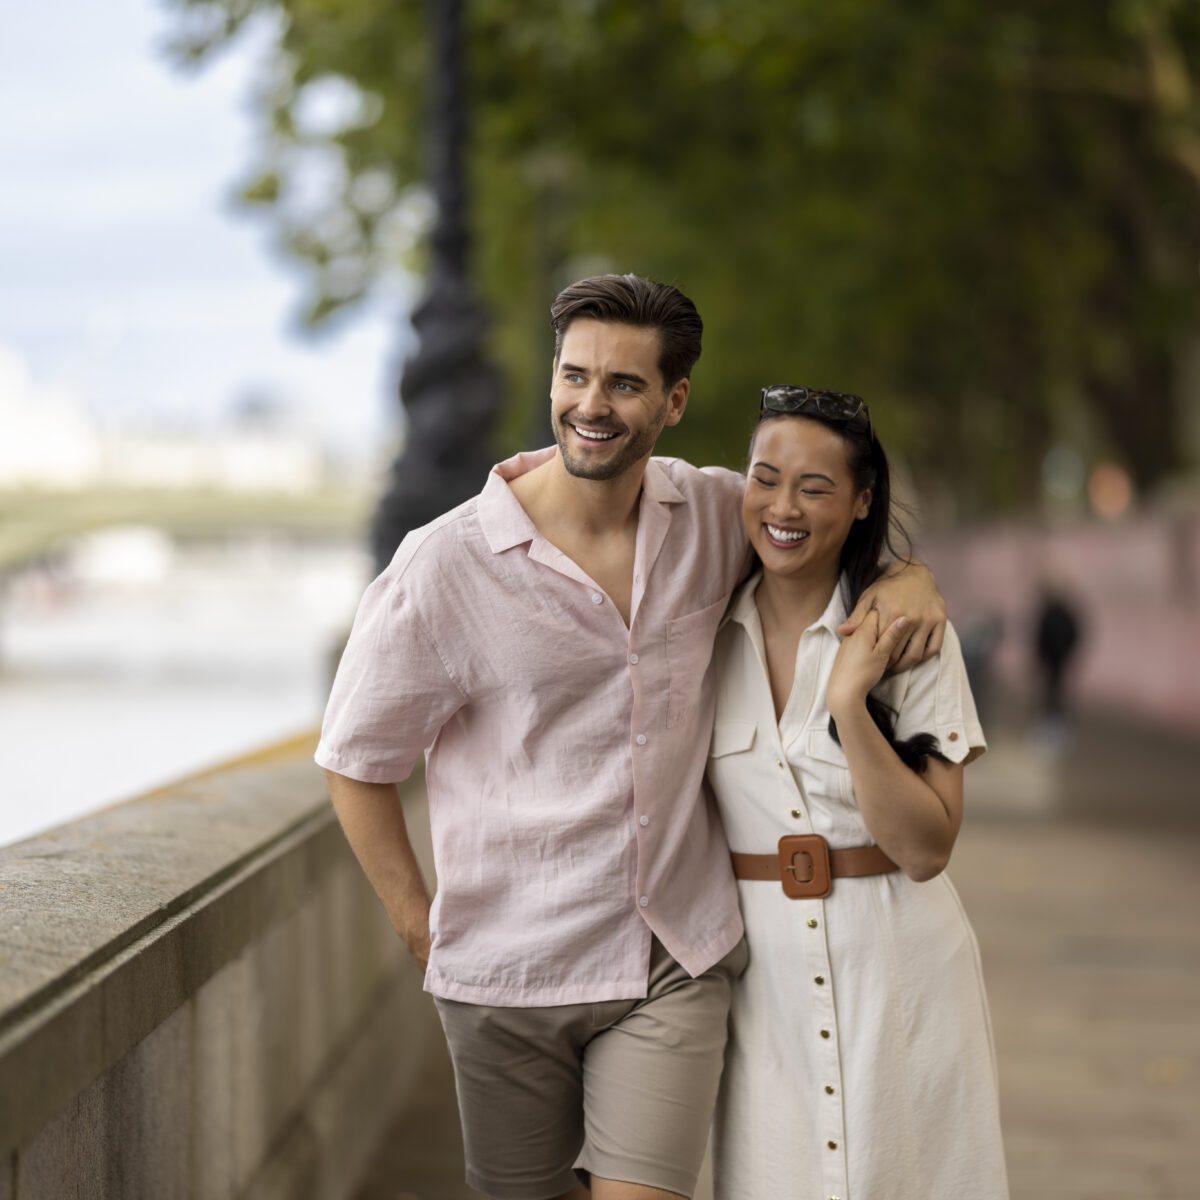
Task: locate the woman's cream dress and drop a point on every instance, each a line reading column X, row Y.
column 860, row 1064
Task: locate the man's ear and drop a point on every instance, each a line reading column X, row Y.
column 677, row 399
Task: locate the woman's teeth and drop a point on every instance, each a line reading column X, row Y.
column 786, row 535
column 594, row 437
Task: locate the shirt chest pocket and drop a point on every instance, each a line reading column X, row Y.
column 689, row 651
column 822, row 766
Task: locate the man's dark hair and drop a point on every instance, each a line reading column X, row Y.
column 632, row 300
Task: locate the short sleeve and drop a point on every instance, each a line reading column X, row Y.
column 392, row 693
column 938, row 700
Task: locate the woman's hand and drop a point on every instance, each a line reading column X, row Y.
column 907, row 590
column 862, row 658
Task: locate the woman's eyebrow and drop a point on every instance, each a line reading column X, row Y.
column 767, row 466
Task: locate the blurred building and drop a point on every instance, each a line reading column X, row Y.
column 52, row 441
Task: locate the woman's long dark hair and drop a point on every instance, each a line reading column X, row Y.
column 862, row 560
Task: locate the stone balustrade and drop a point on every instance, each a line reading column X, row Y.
column 201, row 998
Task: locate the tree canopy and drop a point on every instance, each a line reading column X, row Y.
column 984, row 218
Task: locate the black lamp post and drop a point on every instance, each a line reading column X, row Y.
column 450, row 391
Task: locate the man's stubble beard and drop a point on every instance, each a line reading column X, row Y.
column 634, row 450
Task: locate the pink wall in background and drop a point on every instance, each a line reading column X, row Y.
column 1136, row 583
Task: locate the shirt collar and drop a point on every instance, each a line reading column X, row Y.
column 506, row 524
column 744, row 611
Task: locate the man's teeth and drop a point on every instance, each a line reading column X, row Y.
column 787, row 535
column 594, row 437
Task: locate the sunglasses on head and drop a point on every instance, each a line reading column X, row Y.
column 843, row 407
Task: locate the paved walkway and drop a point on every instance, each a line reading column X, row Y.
column 1080, row 876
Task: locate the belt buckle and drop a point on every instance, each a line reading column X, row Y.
column 804, row 866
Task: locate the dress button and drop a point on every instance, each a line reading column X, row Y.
column 633, row 658
column 640, row 739
column 831, row 1145
column 644, row 901
column 828, row 1090
column 954, row 737
column 824, row 1033
column 797, row 813
column 597, row 598
column 779, row 762
column 643, row 820
column 819, row 979
column 812, row 922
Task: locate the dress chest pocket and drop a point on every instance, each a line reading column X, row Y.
column 731, row 737
column 689, row 651
column 822, row 764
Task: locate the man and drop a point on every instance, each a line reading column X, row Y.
column 548, row 643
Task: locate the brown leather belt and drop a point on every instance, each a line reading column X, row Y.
column 807, row 867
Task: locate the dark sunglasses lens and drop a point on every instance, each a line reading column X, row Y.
column 839, row 407
column 784, row 398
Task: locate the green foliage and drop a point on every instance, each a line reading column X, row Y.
column 983, row 217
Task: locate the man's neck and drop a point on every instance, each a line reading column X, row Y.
column 556, row 500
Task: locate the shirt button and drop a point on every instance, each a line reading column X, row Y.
column 644, row 901
column 597, row 598
column 812, row 922
column 643, row 820
column 797, row 813
column 633, row 658
column 640, row 739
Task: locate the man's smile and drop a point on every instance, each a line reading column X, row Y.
column 593, row 433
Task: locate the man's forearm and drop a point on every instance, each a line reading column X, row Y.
column 373, row 822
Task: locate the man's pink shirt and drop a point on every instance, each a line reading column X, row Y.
column 565, row 752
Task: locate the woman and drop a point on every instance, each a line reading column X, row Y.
column 860, row 1064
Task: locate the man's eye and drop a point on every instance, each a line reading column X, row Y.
column 623, row 387
column 573, row 377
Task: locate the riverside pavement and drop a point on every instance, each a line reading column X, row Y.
column 1077, row 865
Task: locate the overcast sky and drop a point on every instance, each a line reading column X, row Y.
column 128, row 281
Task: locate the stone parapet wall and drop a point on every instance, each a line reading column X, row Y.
column 200, row 997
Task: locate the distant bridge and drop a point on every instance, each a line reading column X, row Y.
column 37, row 524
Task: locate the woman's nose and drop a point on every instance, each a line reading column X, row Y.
column 786, row 508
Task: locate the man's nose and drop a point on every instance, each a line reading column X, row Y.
column 594, row 400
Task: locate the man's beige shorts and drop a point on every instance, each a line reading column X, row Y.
column 622, row 1089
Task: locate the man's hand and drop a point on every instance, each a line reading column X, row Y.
column 906, row 590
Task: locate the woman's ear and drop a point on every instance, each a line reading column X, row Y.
column 864, row 504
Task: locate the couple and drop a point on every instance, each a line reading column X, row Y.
column 570, row 650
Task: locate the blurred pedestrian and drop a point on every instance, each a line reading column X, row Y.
column 1057, row 635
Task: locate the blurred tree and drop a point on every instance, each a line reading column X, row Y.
column 983, row 217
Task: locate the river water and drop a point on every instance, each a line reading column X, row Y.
column 135, row 660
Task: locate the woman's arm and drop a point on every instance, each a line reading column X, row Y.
column 914, row 818
column 905, row 590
